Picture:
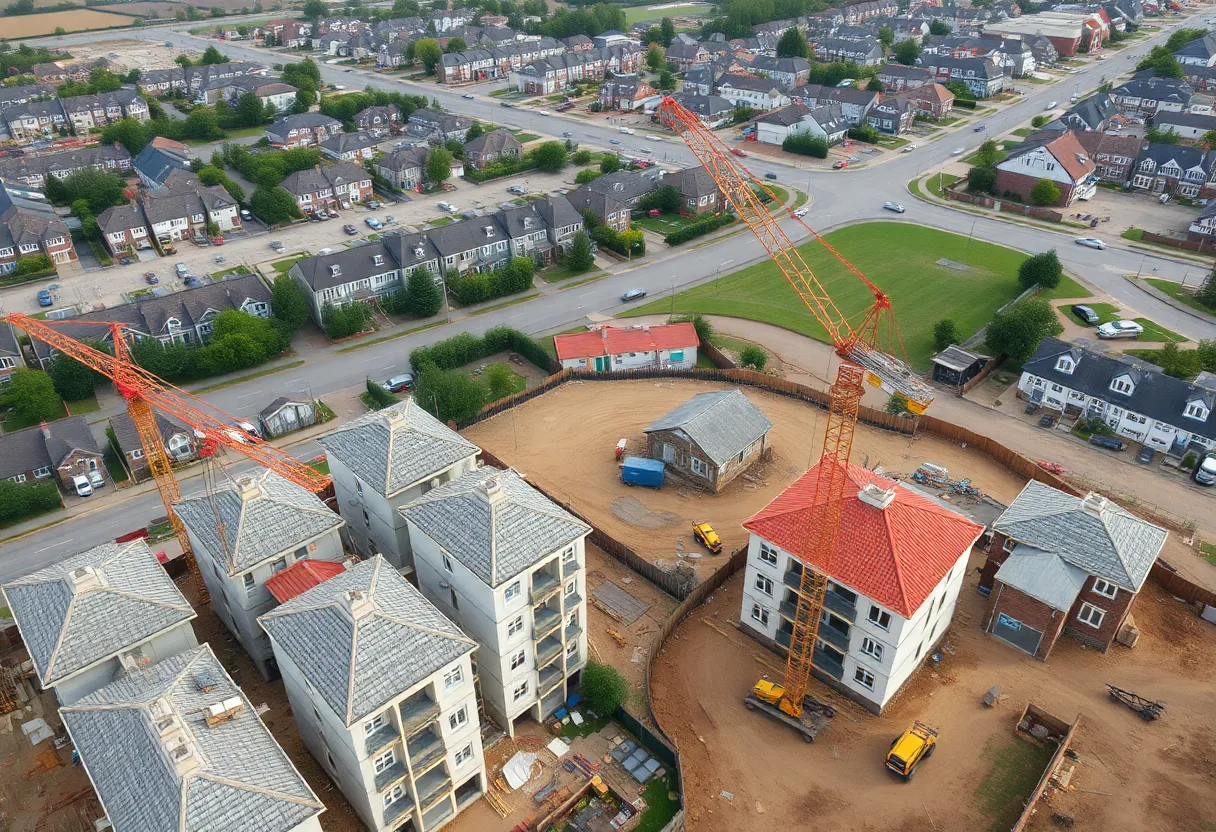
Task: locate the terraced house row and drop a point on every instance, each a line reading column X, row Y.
column 78, row 114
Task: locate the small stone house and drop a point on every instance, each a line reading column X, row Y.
column 711, row 438
column 492, row 147
column 1064, row 565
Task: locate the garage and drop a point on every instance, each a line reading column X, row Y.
column 1014, row 632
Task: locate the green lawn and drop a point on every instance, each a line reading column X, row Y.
column 665, row 223
column 1001, row 152
column 12, row 423
column 781, row 195
column 801, row 199
column 1179, row 293
column 1015, row 767
column 321, row 466
column 1133, row 234
column 89, row 405
column 114, row 466
column 937, row 184
column 556, row 274
column 901, row 259
column 1209, row 552
column 518, row 382
column 524, row 138
column 634, row 14
column 660, row 807
column 281, row 266
column 1110, row 312
column 1023, row 131
column 438, row 221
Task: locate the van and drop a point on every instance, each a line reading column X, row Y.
column 1205, row 471
column 81, row 484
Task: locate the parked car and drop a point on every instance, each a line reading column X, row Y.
column 245, row 215
column 801, row 212
column 97, row 480
column 374, row 223
column 192, row 282
column 350, row 230
column 217, row 241
column 469, row 96
column 893, row 206
column 627, row 130
column 738, row 152
column 151, row 278
column 543, row 113
column 449, row 207
column 1145, row 457
column 517, row 189
column 1205, row 470
column 399, row 384
column 1120, row 329
column 1051, row 105
column 908, row 148
column 44, row 298
column 1111, row 443
column 82, row 486
column 1085, row 314
column 841, row 165
column 1090, row 242
column 958, row 151
column 276, row 245
column 124, row 261
column 633, row 294
column 181, row 269
column 375, row 204
column 506, row 104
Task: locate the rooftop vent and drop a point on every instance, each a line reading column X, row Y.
column 84, row 578
column 489, row 230
column 248, row 488
column 873, row 495
column 492, row 489
column 182, row 754
column 359, row 604
column 1094, row 504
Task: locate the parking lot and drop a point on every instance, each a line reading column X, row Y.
column 1133, row 209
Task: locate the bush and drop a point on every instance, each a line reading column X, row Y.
column 378, row 396
column 586, row 175
column 1039, row 121
column 448, row 394
column 74, row 381
column 806, row 145
column 31, row 395
column 273, row 204
column 581, row 157
column 698, row 228
column 864, row 133
column 705, row 330
column 1045, row 192
column 466, row 348
column 500, row 381
column 897, row 403
column 33, row 264
column 603, row 688
column 1042, row 269
column 1016, row 332
column 19, row 502
column 945, row 333
column 753, row 357
column 628, row 243
column 981, row 180
column 473, row 288
column 666, row 199
column 344, row 321
column 1094, row 426
column 288, row 303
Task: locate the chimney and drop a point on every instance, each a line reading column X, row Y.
column 1094, row 504
column 604, row 333
column 84, row 578
column 46, row 430
column 357, row 604
column 492, row 491
column 873, row 495
column 248, row 488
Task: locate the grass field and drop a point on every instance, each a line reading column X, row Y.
column 635, row 13
column 35, row 25
column 901, row 259
column 1110, row 312
column 518, row 382
column 1179, row 293
column 937, row 184
column 1015, row 769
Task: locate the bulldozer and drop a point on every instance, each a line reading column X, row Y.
column 707, row 537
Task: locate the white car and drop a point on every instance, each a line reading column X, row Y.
column 82, row 486
column 1090, row 242
column 447, row 206
column 893, row 206
column 958, row 151
column 469, row 96
column 627, row 131
column 801, row 212
column 182, row 269
column 543, row 112
column 908, row 148
column 1120, row 329
column 1051, row 105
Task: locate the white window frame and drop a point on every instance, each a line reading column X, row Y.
column 453, row 678
column 250, row 583
column 572, row 648
column 1088, row 612
column 447, row 563
column 698, row 466
column 877, row 615
column 871, row 648
column 519, row 659
column 764, row 583
column 373, row 725
column 1105, row 588
column 393, row 795
column 760, row 614
column 1008, row 545
column 464, row 755
column 458, row 717
column 510, row 592
column 384, row 761
column 768, row 554
column 521, row 690
column 864, row 678
column 515, row 626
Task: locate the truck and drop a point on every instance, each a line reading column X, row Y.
column 813, row 719
column 638, row 470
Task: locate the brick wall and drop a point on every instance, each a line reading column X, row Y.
column 1022, row 185
column 76, row 464
column 1116, row 610
column 1029, row 611
column 996, row 556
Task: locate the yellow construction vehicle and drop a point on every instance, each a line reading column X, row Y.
column 910, row 749
column 707, row 537
column 808, row 720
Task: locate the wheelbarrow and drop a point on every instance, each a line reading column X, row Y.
column 1146, row 708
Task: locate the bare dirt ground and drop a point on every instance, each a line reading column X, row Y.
column 564, row 442
column 132, row 53
column 1139, row 776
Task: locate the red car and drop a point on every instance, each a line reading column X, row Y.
column 654, row 212
column 217, row 241
column 737, row 151
column 841, row 165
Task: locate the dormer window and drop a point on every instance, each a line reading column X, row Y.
column 378, row 259
column 1065, row 364
column 1196, row 410
column 1122, row 385
column 335, row 270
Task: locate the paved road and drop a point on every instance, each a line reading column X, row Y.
column 840, row 197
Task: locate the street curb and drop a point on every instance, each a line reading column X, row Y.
column 1141, row 284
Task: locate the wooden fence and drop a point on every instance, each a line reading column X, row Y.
column 992, row 364
column 1175, row 584
column 1048, row 773
column 721, row 360
column 1200, row 246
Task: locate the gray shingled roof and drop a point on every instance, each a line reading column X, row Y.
column 1089, row 532
column 393, row 448
column 243, row 779
column 359, row 661
column 722, row 423
column 495, row 533
column 1043, row 576
column 68, row 629
column 263, row 514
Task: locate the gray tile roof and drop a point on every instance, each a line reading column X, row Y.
column 494, row 523
column 238, row 778
column 1089, row 532
column 69, row 626
column 263, row 515
column 496, row 141
column 359, row 661
column 394, row 448
column 1043, row 576
column 722, row 423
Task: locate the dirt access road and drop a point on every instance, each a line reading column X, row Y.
column 1153, row 777
column 563, row 441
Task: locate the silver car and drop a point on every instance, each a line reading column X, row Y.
column 893, row 206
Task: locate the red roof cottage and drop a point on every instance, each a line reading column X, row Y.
column 613, row 348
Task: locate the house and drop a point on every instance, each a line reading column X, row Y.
column 955, row 366
column 712, row 110
column 33, row 169
column 861, row 52
column 1113, row 155
column 699, row 193
column 158, row 159
column 562, row 221
column 576, row 43
column 1090, row 114
column 930, row 100
column 61, row 449
column 854, row 103
column 178, row 441
column 866, row 9
column 710, row 439
column 1167, row 168
column 892, row 115
column 437, row 127
column 897, row 77
column 29, row 227
column 329, row 186
column 1199, row 52
column 384, row 460
column 981, row 76
column 825, row 122
column 342, row 277
column 34, row 120
column 270, row 92
column 96, row 615
column 1059, row 158
column 892, row 582
column 507, row 565
column 1060, row 564
column 613, row 349
column 302, row 130
column 404, row 169
column 626, row 94
column 379, row 121
column 180, row 746
column 184, row 208
column 10, row 353
column 1200, row 231
column 267, row 523
column 381, row 684
column 284, row 415
column 1190, row 127
column 701, row 79
column 350, row 147
column 1146, row 94
column 687, row 55
column 124, row 228
column 1137, row 402
column 757, row 93
column 788, row 72
column 1066, row 35
column 489, row 148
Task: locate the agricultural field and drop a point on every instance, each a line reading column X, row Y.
column 633, row 14
column 144, row 8
column 929, row 275
column 37, row 25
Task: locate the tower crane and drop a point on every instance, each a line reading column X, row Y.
column 861, row 362
column 145, row 394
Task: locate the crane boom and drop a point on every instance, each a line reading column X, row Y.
column 861, row 361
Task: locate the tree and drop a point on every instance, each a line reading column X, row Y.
column 423, row 294
column 1181, row 37
column 581, row 157
column 666, row 81
column 907, row 51
column 1162, row 62
column 939, row 28
column 1039, row 120
column 587, row 175
column 448, row 394
column 250, row 110
column 655, row 58
column 581, row 258
column 314, row 9
column 1017, row 331
column 455, row 147
column 288, row 303
column 97, row 188
column 874, row 85
column 1045, row 192
column 1166, row 136
column 982, row 180
column 1208, row 140
column 344, row 321
column 428, row 52
column 1206, row 294
column 987, row 155
column 793, row 44
column 610, row 163
column 753, row 357
column 438, row 165
column 668, row 30
column 550, row 157
column 74, row 381
column 897, row 403
column 475, row 132
column 212, row 56
column 806, row 144
column 500, row 381
column 705, row 330
column 886, row 37
column 603, row 688
column 274, row 204
column 653, row 35
column 1043, row 269
column 31, row 396
column 456, row 44
column 211, row 175
column 945, row 333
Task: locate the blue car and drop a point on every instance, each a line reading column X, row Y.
column 45, row 299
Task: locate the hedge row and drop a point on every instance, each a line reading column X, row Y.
column 465, row 348
column 698, row 228
column 497, row 170
column 18, row 502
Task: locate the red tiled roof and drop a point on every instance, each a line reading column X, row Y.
column 895, row 556
column 613, row 340
column 300, row 577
